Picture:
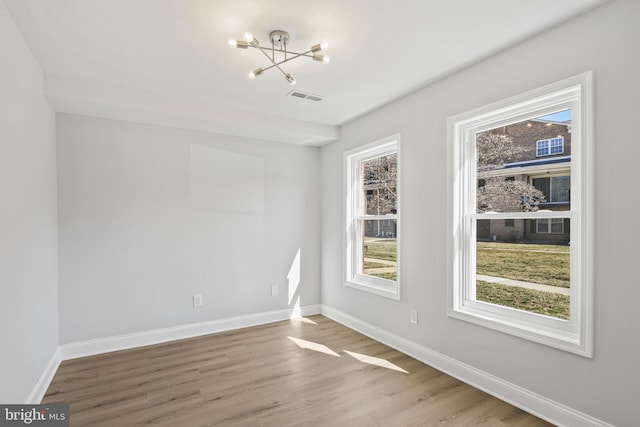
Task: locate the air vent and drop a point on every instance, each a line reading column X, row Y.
column 308, row 96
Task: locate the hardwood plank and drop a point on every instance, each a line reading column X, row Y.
column 306, row 372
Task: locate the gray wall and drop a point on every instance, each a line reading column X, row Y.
column 607, row 386
column 150, row 216
column 28, row 228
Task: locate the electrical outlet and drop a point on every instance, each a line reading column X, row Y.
column 197, row 300
column 413, row 316
column 274, row 290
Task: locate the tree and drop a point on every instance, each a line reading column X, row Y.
column 495, row 193
column 500, row 195
column 494, row 150
column 380, row 178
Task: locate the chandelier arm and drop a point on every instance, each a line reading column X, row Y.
column 267, row 55
column 296, row 54
column 273, row 62
column 294, row 57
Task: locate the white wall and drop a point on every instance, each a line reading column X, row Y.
column 28, row 228
column 607, row 386
column 150, row 216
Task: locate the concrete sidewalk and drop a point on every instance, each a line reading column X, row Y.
column 521, row 284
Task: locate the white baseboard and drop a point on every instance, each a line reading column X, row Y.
column 158, row 336
column 36, row 395
column 529, row 401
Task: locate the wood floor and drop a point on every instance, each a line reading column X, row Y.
column 307, row 372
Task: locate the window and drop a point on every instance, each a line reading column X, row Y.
column 550, row 248
column 548, row 147
column 550, row 226
column 371, row 254
column 556, row 189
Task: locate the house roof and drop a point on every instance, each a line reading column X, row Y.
column 555, row 165
column 538, row 162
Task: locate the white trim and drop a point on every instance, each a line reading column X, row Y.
column 576, row 334
column 41, row 386
column 538, row 405
column 158, row 336
column 353, row 279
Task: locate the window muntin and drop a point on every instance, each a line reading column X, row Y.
column 477, row 218
column 371, row 259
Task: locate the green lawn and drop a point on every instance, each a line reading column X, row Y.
column 380, row 248
column 544, row 264
column 391, row 275
column 384, row 249
column 547, row 303
column 537, row 263
column 369, row 264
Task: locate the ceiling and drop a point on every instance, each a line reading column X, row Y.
column 168, row 62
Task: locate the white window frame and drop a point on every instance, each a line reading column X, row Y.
column 354, row 216
column 576, row 334
column 548, row 145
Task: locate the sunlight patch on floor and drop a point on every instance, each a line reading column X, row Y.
column 310, row 345
column 371, row 360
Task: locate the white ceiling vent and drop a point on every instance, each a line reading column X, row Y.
column 303, row 95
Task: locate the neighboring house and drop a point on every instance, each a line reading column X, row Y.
column 380, row 180
column 544, row 162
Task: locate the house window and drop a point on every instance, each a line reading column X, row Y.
column 548, row 147
column 371, row 239
column 550, row 226
column 536, row 287
column 556, row 189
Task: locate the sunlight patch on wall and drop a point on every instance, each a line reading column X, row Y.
column 294, row 283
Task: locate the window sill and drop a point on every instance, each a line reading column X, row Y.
column 389, row 290
column 556, row 333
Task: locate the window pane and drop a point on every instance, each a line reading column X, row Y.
column 557, row 225
column 542, row 226
column 379, row 178
column 557, row 145
column 507, row 156
column 532, row 277
column 560, row 189
column 543, row 148
column 379, row 249
column 517, row 230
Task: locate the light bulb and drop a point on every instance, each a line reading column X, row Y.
column 290, row 79
column 256, row 72
column 240, row 44
column 320, row 46
column 250, row 39
column 320, row 57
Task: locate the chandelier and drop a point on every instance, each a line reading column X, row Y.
column 279, row 45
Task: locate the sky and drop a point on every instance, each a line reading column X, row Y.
column 560, row 116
